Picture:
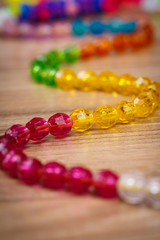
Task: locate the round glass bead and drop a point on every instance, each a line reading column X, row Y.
column 72, row 53
column 39, row 128
column 55, row 57
column 87, row 50
column 97, row 27
column 36, row 67
column 18, row 135
column 48, row 75
column 107, row 81
column 141, row 84
column 29, row 171
column 78, row 180
column 82, row 119
column 4, row 149
column 153, row 192
column 66, row 79
column 144, row 105
column 105, row 116
column 120, row 42
column 60, row 124
column 102, row 46
column 53, row 175
column 131, row 187
column 87, row 80
column 125, row 84
column 154, row 94
column 105, row 184
column 79, row 28
column 126, row 111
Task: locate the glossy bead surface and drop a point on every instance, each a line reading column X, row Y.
column 29, row 171
column 11, row 161
column 144, row 105
column 39, row 128
column 120, row 43
column 102, row 46
column 131, row 187
column 87, row 50
column 87, row 80
column 125, row 84
column 82, row 119
column 72, row 53
column 141, row 84
column 66, row 79
column 53, row 175
column 4, row 148
column 105, row 184
column 126, row 111
column 55, row 57
column 78, row 180
column 60, row 124
column 18, row 135
column 105, row 116
column 153, row 192
column 107, row 81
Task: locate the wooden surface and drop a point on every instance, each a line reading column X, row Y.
column 39, row 214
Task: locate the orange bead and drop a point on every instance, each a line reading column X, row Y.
column 120, row 42
column 103, row 46
column 87, row 50
column 138, row 39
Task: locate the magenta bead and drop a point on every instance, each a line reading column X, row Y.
column 29, row 171
column 39, row 128
column 105, row 184
column 11, row 161
column 4, row 148
column 60, row 124
column 78, row 180
column 53, row 175
column 18, row 136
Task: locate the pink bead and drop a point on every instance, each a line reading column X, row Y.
column 11, row 161
column 29, row 171
column 53, row 175
column 18, row 135
column 4, row 148
column 60, row 124
column 78, row 180
column 105, row 184
column 39, row 128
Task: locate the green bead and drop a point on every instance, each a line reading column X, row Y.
column 37, row 67
column 55, row 57
column 72, row 53
column 49, row 77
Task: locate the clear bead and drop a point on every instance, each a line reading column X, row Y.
column 153, row 192
column 131, row 187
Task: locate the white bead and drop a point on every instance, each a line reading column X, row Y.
column 131, row 187
column 153, row 192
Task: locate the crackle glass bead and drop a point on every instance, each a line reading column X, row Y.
column 153, row 192
column 87, row 80
column 125, row 84
column 48, row 76
column 141, row 84
column 53, row 175
column 154, row 94
column 72, row 53
column 102, row 46
column 131, row 187
column 66, row 79
column 82, row 119
column 126, row 111
column 29, row 171
column 107, row 81
column 78, row 180
column 144, row 105
column 60, row 124
column 105, row 116
column 18, row 135
column 39, row 128
column 105, row 184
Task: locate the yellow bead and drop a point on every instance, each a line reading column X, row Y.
column 144, row 105
column 125, row 84
column 105, row 116
column 155, row 96
column 126, row 111
column 141, row 84
column 82, row 119
column 107, row 81
column 87, row 80
column 66, row 79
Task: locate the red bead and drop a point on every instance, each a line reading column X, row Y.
column 78, row 180
column 39, row 128
column 18, row 136
column 121, row 42
column 4, row 148
column 29, row 171
column 11, row 161
column 53, row 175
column 105, row 184
column 60, row 124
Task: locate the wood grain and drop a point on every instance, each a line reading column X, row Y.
column 40, row 214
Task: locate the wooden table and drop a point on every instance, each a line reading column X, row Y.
column 39, row 214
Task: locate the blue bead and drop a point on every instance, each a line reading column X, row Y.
column 130, row 27
column 97, row 27
column 79, row 28
column 115, row 26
